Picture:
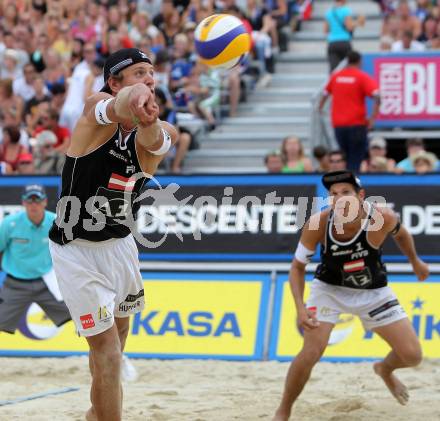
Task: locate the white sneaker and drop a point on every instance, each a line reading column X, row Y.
column 128, row 370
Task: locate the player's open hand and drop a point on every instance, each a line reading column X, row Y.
column 421, row 269
column 307, row 319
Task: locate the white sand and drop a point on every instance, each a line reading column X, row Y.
column 216, row 390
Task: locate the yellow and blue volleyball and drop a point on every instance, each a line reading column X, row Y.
column 222, row 41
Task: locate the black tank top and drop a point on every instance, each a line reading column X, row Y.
column 352, row 264
column 104, row 186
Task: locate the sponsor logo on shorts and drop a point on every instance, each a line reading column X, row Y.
column 327, row 311
column 390, row 314
column 87, row 321
column 384, row 307
column 129, row 307
column 131, row 298
column 104, row 315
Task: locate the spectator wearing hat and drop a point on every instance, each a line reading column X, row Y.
column 10, row 68
column 274, row 162
column 26, row 260
column 25, row 165
column 349, row 89
column 413, row 146
column 49, row 121
column 377, row 147
column 378, row 164
column 424, row 162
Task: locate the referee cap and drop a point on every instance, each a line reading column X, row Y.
column 119, row 61
column 32, row 190
column 345, row 176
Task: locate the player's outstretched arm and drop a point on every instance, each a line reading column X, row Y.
column 310, row 238
column 405, row 242
column 133, row 104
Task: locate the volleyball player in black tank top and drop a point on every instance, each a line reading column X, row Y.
column 116, row 144
column 355, row 263
column 350, row 279
column 104, row 173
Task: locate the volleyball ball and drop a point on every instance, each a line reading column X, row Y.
column 221, row 41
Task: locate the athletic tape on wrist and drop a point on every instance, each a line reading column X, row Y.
column 166, row 144
column 101, row 111
column 303, row 254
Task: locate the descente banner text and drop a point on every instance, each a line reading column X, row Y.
column 252, row 217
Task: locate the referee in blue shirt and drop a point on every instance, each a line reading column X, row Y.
column 26, row 259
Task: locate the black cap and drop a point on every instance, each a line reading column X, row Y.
column 34, row 190
column 120, row 60
column 345, row 176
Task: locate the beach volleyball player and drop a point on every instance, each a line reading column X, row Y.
column 116, row 144
column 350, row 279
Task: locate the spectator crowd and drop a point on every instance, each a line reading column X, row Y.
column 52, row 54
column 410, row 25
column 290, row 158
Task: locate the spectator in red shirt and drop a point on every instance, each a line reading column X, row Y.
column 49, row 121
column 349, row 88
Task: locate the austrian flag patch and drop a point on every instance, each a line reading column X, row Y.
column 119, row 182
column 354, row 266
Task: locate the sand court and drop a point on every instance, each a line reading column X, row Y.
column 202, row 390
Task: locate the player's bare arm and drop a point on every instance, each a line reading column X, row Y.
column 391, row 226
column 312, row 234
column 405, row 242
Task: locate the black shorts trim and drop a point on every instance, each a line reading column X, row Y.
column 383, row 307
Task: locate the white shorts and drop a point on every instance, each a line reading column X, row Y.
column 375, row 307
column 99, row 281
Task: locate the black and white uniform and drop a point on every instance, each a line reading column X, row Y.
column 351, row 278
column 94, row 254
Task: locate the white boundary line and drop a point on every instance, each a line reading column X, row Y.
column 39, row 395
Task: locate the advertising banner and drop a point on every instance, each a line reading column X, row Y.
column 187, row 315
column 349, row 341
column 254, row 217
column 228, row 217
column 409, row 86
